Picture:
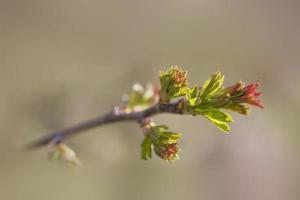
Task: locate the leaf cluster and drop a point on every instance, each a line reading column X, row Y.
column 162, row 141
column 212, row 98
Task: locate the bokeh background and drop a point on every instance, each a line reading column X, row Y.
column 65, row 61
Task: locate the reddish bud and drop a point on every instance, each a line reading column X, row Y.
column 250, row 95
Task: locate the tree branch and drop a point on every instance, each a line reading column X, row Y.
column 110, row 117
column 173, row 96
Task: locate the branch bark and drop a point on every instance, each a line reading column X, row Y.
column 110, row 117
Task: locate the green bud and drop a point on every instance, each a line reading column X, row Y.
column 173, row 84
column 141, row 97
column 162, row 141
column 64, row 153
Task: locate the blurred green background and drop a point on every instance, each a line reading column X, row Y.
column 65, row 61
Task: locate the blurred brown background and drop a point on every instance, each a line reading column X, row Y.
column 65, row 61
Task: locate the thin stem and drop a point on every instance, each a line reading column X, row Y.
column 111, row 117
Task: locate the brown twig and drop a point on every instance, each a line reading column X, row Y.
column 111, row 117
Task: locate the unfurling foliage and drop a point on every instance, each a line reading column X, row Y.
column 161, row 140
column 211, row 100
column 173, row 83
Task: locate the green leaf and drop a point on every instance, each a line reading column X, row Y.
column 161, row 135
column 212, row 85
column 192, row 96
column 220, row 124
column 169, row 137
column 240, row 108
column 219, row 118
column 180, row 91
column 146, row 146
column 160, row 128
